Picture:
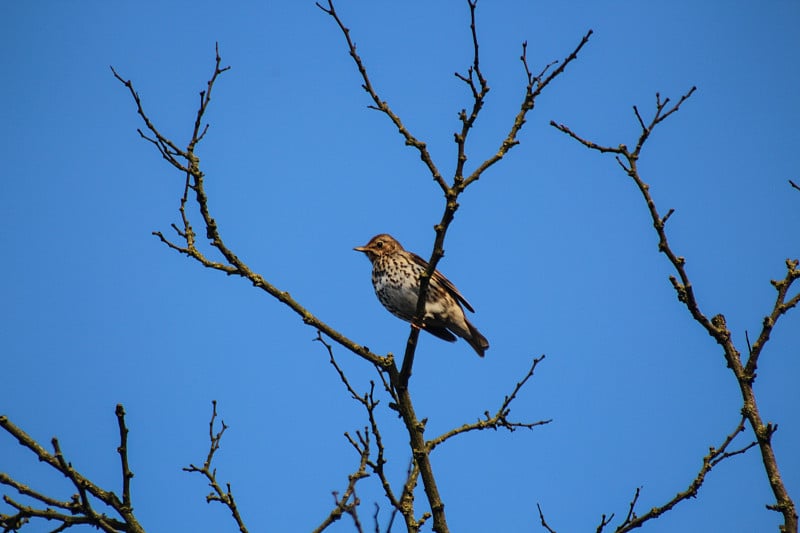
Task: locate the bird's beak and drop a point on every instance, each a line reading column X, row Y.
column 360, row 249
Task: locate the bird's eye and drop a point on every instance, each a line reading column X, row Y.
column 379, row 244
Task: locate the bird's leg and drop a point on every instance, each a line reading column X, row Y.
column 418, row 324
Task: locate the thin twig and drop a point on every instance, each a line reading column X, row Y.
column 604, row 521
column 123, row 456
column 79, row 509
column 218, row 494
column 534, row 87
column 779, row 308
column 479, row 93
column 349, row 502
column 543, row 521
column 404, row 505
column 380, row 104
column 710, row 460
column 499, row 419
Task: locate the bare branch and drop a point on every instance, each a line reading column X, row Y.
column 123, row 456
column 716, row 327
column 683, row 287
column 5, row 479
column 659, row 117
column 604, row 521
column 631, row 507
column 533, row 89
column 381, row 105
column 781, row 306
column 205, row 99
column 80, row 509
column 25, row 513
column 479, row 93
column 713, row 458
column 218, row 494
column 589, row 144
column 499, row 419
column 167, row 148
column 348, row 503
column 543, row 521
column 194, row 181
column 405, row 504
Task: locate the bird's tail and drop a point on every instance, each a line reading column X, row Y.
column 476, row 340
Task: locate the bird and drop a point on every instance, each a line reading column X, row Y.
column 395, row 278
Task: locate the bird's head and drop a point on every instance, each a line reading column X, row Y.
column 378, row 246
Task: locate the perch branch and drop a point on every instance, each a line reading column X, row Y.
column 187, row 162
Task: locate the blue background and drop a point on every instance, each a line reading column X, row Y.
column 553, row 247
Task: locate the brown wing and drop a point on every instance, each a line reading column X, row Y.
column 443, row 281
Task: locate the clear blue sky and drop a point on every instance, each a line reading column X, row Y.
column 553, row 247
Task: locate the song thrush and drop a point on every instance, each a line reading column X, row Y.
column 395, row 277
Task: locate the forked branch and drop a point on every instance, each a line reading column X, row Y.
column 534, row 87
column 404, row 504
column 633, row 521
column 348, row 503
column 713, row 458
column 80, row 509
column 381, row 105
column 715, row 326
column 500, row 418
column 217, row 494
column 187, row 161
